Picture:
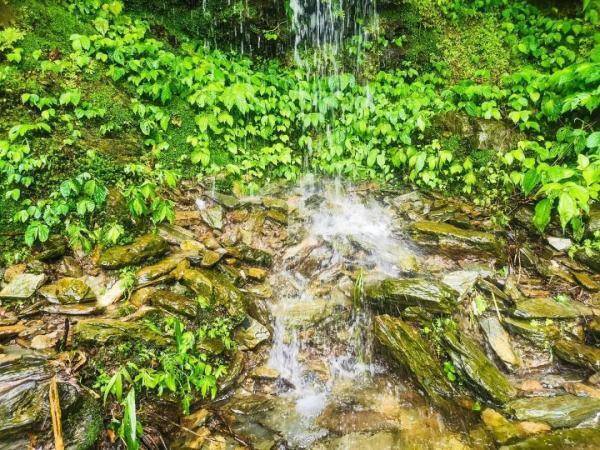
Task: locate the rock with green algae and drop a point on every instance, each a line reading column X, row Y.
column 22, row 286
column 590, row 257
column 213, row 216
column 251, row 255
column 593, row 329
column 575, row 439
column 414, row 354
column 506, row 432
column 144, row 247
column 24, row 407
column 548, row 308
column 214, row 286
column 56, row 247
column 174, row 303
column 161, row 268
column 68, row 291
column 393, row 295
column 578, row 354
column 477, row 370
column 559, row 412
column 535, row 331
column 454, row 239
column 234, row 371
column 250, row 334
column 101, row 331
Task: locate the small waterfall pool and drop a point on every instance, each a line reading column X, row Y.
column 326, row 388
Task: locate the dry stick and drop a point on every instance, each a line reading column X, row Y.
column 56, row 414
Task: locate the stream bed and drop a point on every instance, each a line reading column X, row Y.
column 373, row 318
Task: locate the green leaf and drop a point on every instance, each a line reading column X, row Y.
column 530, row 181
column 593, row 140
column 567, row 209
column 541, row 218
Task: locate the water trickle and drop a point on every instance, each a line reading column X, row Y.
column 317, row 348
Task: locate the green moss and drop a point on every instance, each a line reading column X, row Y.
column 475, row 50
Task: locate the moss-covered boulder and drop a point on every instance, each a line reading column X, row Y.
column 410, row 351
column 214, row 286
column 144, row 247
column 67, row 291
column 164, row 266
column 575, row 439
column 174, row 303
column 476, row 369
column 394, row 295
column 454, row 239
column 102, row 331
column 558, row 412
column 578, row 354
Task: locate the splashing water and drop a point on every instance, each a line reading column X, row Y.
column 313, row 350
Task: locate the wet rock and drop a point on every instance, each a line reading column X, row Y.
column 192, row 247
column 251, row 255
column 13, row 271
column 144, row 247
column 69, row 267
column 593, row 329
column 9, row 331
column 537, row 332
column 277, row 216
column 265, row 372
column 548, row 308
column 499, row 341
column 578, row 354
column 407, row 348
column 141, row 296
column 213, row 216
column 506, row 432
column 558, row 412
column 44, row 341
column 560, row 244
column 214, row 286
column 250, row 334
column 54, row 248
column 275, row 203
column 463, row 280
column 393, row 295
column 234, row 371
column 101, row 331
column 451, row 238
column 174, row 303
column 174, row 234
column 112, row 295
column 23, row 286
column 187, row 218
column 257, row 274
column 480, row 373
column 586, row 281
column 340, row 420
column 68, row 291
column 228, row 201
column 576, row 439
column 149, row 273
column 590, row 257
column 581, row 390
column 73, row 310
column 210, row 258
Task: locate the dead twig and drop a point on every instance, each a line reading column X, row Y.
column 56, row 414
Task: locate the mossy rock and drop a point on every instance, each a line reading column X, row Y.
column 177, row 304
column 102, row 331
column 558, row 412
column 454, row 239
column 478, row 371
column 576, row 439
column 578, row 354
column 144, row 247
column 412, row 352
column 394, row 295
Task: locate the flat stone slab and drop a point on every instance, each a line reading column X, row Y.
column 23, row 286
column 558, row 412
